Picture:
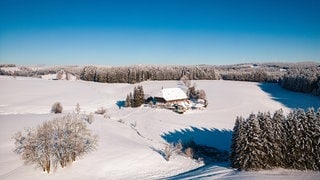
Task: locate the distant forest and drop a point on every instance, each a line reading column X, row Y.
column 300, row 77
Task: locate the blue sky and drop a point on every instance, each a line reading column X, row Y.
column 126, row 32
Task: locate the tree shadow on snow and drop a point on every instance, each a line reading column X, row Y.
column 218, row 140
column 211, row 171
column 290, row 99
column 211, row 146
column 121, row 104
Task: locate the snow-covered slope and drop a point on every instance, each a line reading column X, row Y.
column 130, row 139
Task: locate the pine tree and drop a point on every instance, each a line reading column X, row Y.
column 128, row 100
column 310, row 145
column 252, row 148
column 141, row 95
column 131, row 99
column 278, row 146
column 316, row 138
column 290, row 142
column 267, row 139
column 135, row 97
column 138, row 96
column 300, row 141
column 291, row 127
column 237, row 138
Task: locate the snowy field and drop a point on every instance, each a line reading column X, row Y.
column 129, row 139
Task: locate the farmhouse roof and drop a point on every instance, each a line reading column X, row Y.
column 171, row 94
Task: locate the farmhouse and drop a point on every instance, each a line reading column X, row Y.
column 170, row 96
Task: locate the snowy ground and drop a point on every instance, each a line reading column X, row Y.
column 129, row 140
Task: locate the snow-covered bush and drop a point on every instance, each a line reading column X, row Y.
column 168, row 151
column 101, row 111
column 59, row 75
column 88, row 118
column 171, row 149
column 56, row 142
column 189, row 152
column 56, row 108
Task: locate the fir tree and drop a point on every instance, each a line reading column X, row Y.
column 267, row 139
column 278, row 146
column 302, row 141
column 310, row 140
column 128, row 100
column 237, row 137
column 316, row 139
column 290, row 142
column 252, row 147
column 138, row 96
column 291, row 126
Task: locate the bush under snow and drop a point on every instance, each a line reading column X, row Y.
column 56, row 108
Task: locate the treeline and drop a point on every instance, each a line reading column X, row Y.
column 136, row 74
column 301, row 77
column 267, row 72
column 7, row 65
column 38, row 71
column 305, row 80
column 265, row 141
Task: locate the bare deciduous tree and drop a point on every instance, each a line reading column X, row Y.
column 56, row 142
column 78, row 109
column 186, row 81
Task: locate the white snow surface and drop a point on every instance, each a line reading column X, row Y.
column 129, row 140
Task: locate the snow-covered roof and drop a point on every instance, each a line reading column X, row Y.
column 171, row 94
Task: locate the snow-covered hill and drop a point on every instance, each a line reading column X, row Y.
column 130, row 138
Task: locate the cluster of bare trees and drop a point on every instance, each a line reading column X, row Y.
column 265, row 141
column 57, row 142
column 193, row 93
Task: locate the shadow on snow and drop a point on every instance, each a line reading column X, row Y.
column 212, row 171
column 220, row 139
column 290, row 99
